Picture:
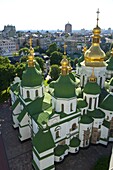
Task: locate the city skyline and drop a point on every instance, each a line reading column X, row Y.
column 46, row 15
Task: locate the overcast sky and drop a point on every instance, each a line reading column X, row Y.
column 54, row 14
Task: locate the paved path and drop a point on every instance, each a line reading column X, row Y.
column 19, row 154
column 3, row 157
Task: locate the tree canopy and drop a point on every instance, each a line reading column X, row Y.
column 54, row 72
column 56, row 58
column 52, row 48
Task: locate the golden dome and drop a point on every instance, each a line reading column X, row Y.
column 94, row 56
column 31, row 55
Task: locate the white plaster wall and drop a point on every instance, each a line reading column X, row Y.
column 57, row 104
column 25, row 120
column 25, row 132
column 98, row 71
column 15, row 121
column 49, row 161
column 35, row 126
column 97, row 122
column 17, row 109
column 104, row 132
column 108, row 114
column 109, row 73
column 32, row 92
column 88, row 96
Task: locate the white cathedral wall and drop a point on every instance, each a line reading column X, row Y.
column 64, row 130
column 17, row 110
column 104, row 132
column 44, row 163
column 87, row 71
column 24, row 120
column 32, row 92
column 15, row 121
column 97, row 122
column 93, row 97
column 108, row 114
column 57, row 105
column 109, row 74
column 25, row 132
column 35, row 126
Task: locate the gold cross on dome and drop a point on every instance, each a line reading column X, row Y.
column 65, row 46
column 97, row 16
column 30, row 42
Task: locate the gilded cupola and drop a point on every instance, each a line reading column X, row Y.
column 31, row 55
column 94, row 56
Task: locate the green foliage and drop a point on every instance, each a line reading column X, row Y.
column 40, row 62
column 102, row 164
column 108, row 54
column 23, row 59
column 4, row 95
column 56, row 58
column 38, row 49
column 20, row 67
column 24, row 51
column 54, row 72
column 4, row 60
column 52, row 48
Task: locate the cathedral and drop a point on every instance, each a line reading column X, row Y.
column 71, row 112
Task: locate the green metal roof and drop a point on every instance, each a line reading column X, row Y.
column 60, row 150
column 71, row 75
column 110, row 64
column 92, row 88
column 64, row 87
column 80, row 60
column 43, row 141
column 15, row 104
column 107, row 104
column 97, row 113
column 81, row 103
column 31, row 77
column 86, row 119
column 74, row 142
column 22, row 114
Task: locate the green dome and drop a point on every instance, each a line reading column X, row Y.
column 81, row 103
column 111, row 81
column 92, row 88
column 86, row 119
column 64, row 87
column 107, row 104
column 31, row 77
column 110, row 63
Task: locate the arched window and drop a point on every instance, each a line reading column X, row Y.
column 95, row 102
column 107, row 117
column 90, row 102
column 36, row 92
column 71, row 107
column 100, row 81
column 57, row 134
column 74, row 126
column 84, row 112
column 62, row 107
column 28, row 94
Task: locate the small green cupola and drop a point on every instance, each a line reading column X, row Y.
column 64, row 95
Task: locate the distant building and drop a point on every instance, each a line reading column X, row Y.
column 68, row 28
column 7, row 46
column 9, row 31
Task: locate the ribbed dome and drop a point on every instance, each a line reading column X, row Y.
column 92, row 88
column 31, row 77
column 64, row 87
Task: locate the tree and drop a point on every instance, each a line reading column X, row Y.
column 4, row 60
column 54, row 72
column 40, row 62
column 23, row 59
column 52, row 48
column 19, row 68
column 56, row 58
column 24, row 51
column 38, row 49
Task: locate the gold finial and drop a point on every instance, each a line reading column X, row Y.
column 84, row 49
column 65, row 47
column 31, row 56
column 92, row 78
column 97, row 16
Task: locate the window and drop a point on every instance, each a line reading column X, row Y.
column 57, row 134
column 107, row 117
column 74, row 126
column 71, row 107
column 62, row 107
column 90, row 102
column 28, row 94
column 36, row 92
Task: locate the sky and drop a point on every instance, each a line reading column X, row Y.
column 54, row 14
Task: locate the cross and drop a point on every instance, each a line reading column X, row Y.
column 65, row 46
column 30, row 42
column 97, row 15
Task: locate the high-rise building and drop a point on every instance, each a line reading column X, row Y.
column 68, row 28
